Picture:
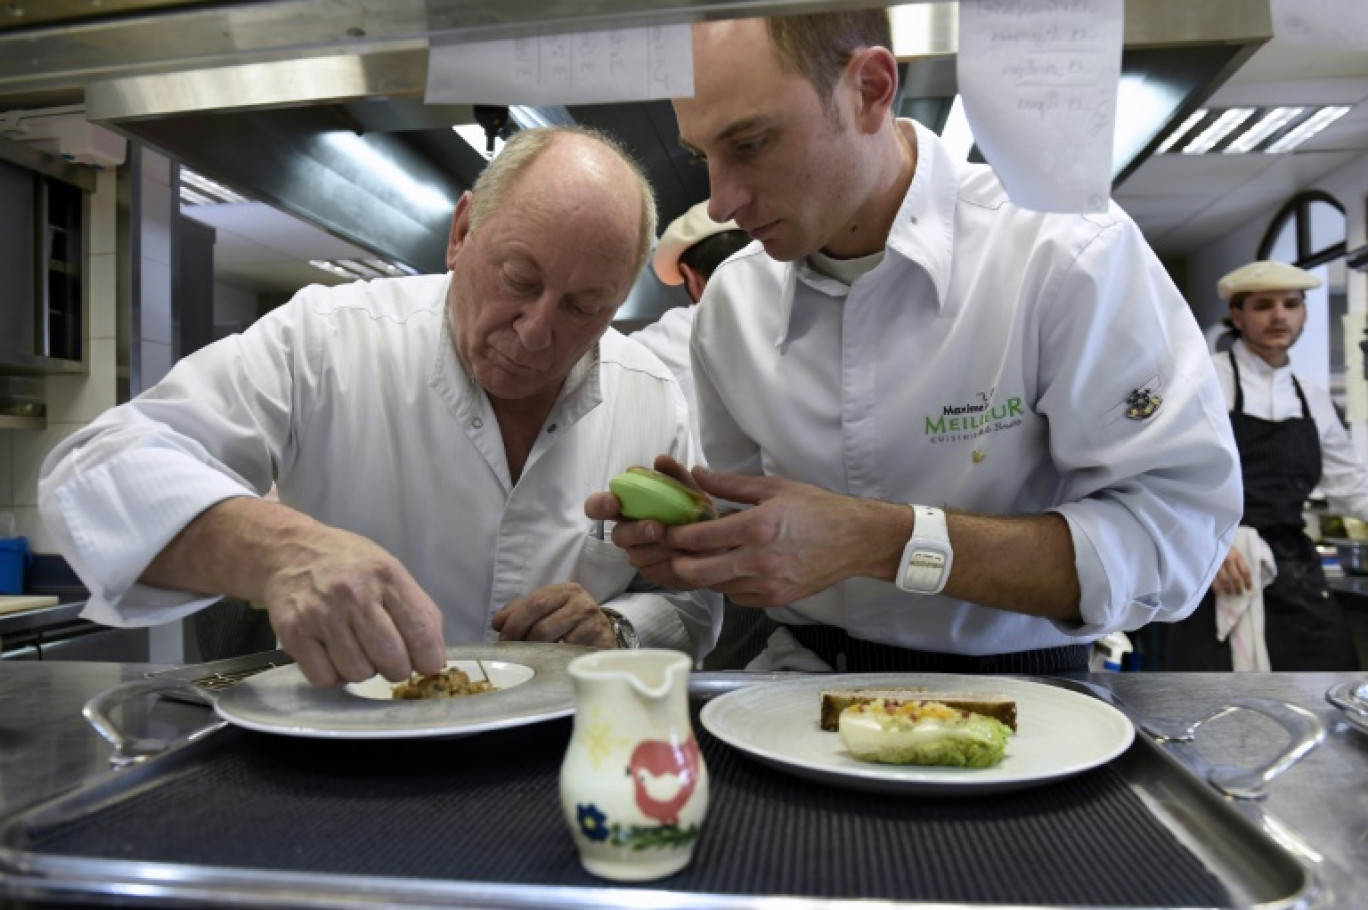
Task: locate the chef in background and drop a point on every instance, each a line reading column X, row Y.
column 1291, row 440
column 690, row 250
column 432, row 439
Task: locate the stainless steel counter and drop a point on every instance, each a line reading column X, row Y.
column 1318, row 809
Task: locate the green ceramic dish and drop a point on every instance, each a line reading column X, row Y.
column 648, row 494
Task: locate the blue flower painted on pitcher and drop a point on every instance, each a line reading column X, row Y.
column 592, row 822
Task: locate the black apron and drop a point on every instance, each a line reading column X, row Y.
column 1304, row 626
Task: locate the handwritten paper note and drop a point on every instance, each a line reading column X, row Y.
column 629, row 64
column 1328, row 23
column 1038, row 79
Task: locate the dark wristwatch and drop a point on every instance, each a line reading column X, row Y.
column 623, row 630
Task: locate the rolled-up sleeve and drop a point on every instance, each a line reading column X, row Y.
column 116, row 492
column 1152, row 499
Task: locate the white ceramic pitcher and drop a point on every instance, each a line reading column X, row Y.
column 633, row 784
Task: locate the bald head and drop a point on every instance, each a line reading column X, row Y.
column 571, row 161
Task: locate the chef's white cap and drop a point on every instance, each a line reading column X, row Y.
column 685, row 231
column 1265, row 275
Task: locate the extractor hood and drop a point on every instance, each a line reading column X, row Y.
column 316, row 106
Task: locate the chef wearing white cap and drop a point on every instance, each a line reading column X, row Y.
column 691, row 248
column 1290, row 440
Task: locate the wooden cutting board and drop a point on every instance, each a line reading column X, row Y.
column 17, row 602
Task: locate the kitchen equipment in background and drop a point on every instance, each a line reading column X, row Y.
column 22, row 397
column 18, row 603
column 14, row 557
column 1353, row 556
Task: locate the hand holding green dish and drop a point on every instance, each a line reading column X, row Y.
column 650, row 495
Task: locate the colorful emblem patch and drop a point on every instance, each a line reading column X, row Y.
column 1142, row 403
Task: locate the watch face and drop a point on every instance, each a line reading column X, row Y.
column 926, row 559
column 924, row 571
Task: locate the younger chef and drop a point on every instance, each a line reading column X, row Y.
column 974, row 437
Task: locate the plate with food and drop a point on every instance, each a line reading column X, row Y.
column 934, row 734
column 482, row 687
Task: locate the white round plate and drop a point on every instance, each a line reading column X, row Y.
column 282, row 700
column 1059, row 733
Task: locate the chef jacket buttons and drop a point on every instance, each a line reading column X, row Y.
column 552, row 428
column 477, row 423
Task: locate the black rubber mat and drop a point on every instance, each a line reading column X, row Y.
column 485, row 808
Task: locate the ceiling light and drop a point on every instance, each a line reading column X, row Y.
column 956, row 134
column 474, row 136
column 1223, row 126
column 1308, row 128
column 530, row 118
column 190, row 197
column 1266, row 126
column 1143, row 107
column 1193, row 119
column 206, row 191
column 357, row 267
column 353, row 269
column 390, row 268
column 331, row 268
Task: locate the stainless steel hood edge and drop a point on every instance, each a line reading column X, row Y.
column 356, row 53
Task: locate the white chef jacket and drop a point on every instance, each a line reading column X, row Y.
column 353, row 401
column 1270, row 395
column 668, row 339
column 984, row 365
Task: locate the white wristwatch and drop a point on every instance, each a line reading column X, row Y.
column 925, row 563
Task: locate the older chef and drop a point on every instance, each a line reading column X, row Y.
column 1291, row 440
column 432, row 439
column 975, row 437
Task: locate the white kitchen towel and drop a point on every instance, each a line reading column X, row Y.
column 1240, row 617
column 783, row 652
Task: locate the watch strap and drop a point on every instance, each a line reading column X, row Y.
column 926, row 560
column 624, row 632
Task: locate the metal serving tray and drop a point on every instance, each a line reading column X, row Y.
column 242, row 862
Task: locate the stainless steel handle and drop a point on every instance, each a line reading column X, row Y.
column 1352, row 699
column 131, row 750
column 1304, row 728
column 708, row 684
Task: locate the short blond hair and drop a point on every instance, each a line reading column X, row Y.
column 819, row 46
column 525, row 147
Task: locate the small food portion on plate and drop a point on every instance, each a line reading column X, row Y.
column 917, row 727
column 452, row 682
column 647, row 494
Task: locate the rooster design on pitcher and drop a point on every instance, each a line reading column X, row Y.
column 664, row 776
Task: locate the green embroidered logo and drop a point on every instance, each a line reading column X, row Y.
column 973, row 417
